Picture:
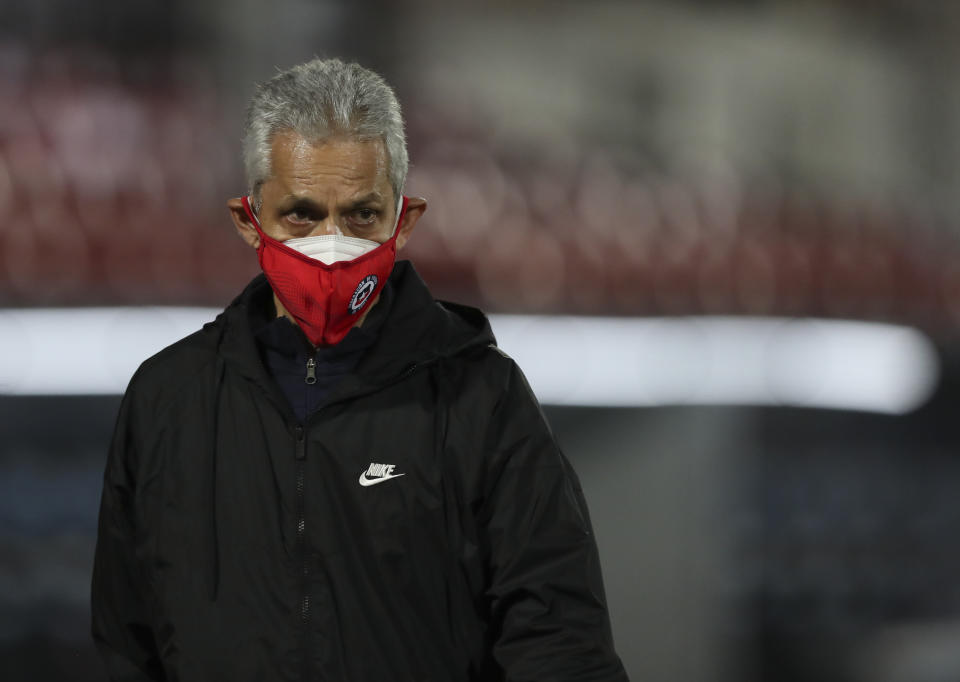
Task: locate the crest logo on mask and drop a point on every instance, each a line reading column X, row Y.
column 362, row 293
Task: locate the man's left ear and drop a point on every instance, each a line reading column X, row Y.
column 415, row 208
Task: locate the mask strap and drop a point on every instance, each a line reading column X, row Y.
column 401, row 209
column 248, row 207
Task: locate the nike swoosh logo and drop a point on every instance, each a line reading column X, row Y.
column 364, row 481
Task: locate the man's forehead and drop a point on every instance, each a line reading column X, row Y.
column 301, row 165
column 290, row 146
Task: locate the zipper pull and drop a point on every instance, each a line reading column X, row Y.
column 311, row 372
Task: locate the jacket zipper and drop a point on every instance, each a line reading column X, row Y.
column 301, row 456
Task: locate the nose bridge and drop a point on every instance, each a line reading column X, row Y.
column 327, row 226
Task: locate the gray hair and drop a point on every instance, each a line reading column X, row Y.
column 320, row 99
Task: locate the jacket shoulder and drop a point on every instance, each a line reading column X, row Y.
column 163, row 375
column 493, row 368
column 490, row 394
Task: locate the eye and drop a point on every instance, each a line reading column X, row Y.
column 363, row 216
column 299, row 216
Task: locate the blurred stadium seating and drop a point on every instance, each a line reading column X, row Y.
column 112, row 179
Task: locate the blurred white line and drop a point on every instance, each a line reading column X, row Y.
column 593, row 361
column 833, row 364
column 85, row 351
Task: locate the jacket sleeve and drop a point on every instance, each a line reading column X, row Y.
column 545, row 591
column 120, row 623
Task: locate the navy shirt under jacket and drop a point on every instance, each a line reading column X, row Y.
column 287, row 355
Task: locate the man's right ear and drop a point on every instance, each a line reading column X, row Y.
column 242, row 222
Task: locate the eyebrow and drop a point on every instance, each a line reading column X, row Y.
column 291, row 202
column 371, row 198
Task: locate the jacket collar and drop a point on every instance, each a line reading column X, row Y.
column 417, row 330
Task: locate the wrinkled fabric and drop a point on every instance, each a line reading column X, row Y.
column 237, row 544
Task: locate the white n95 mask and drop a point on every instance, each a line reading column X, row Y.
column 331, row 248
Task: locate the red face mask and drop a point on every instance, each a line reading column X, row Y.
column 325, row 300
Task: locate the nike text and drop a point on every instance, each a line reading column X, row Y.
column 378, row 473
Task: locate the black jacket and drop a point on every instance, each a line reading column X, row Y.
column 237, row 544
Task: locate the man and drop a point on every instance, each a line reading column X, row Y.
column 340, row 478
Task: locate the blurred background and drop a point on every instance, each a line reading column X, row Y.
column 659, row 168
